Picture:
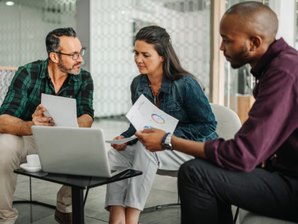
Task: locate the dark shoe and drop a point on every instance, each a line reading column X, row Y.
column 63, row 218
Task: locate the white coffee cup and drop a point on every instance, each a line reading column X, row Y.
column 33, row 160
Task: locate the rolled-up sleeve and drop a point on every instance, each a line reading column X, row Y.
column 85, row 97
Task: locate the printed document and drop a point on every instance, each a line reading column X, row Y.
column 62, row 109
column 121, row 141
column 144, row 114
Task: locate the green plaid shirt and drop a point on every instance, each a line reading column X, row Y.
column 31, row 80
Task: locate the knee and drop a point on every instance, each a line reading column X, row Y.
column 191, row 170
column 113, row 155
column 115, row 158
column 188, row 166
column 184, row 171
column 10, row 151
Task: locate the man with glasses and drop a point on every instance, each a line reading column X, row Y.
column 60, row 74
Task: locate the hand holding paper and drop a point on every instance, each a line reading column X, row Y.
column 121, row 141
column 40, row 117
column 145, row 114
column 62, row 109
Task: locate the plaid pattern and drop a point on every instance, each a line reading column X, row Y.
column 31, row 80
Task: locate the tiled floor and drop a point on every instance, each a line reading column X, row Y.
column 164, row 191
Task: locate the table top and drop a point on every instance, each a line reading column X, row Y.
column 79, row 181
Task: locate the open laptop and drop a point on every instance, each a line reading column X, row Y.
column 70, row 150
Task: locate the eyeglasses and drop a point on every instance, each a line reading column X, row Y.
column 75, row 55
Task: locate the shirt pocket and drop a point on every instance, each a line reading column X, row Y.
column 174, row 109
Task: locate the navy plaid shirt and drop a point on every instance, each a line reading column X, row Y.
column 31, row 80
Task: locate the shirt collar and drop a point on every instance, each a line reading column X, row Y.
column 44, row 69
column 274, row 49
column 165, row 85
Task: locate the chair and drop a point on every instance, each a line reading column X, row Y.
column 6, row 75
column 227, row 127
column 228, row 123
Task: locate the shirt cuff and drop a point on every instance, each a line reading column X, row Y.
column 210, row 149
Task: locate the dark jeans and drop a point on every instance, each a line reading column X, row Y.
column 207, row 193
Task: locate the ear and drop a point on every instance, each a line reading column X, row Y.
column 162, row 59
column 54, row 57
column 255, row 42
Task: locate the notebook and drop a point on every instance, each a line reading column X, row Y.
column 70, row 150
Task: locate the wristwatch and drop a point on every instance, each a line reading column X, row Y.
column 166, row 141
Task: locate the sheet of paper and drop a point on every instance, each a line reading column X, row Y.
column 121, row 141
column 62, row 109
column 145, row 114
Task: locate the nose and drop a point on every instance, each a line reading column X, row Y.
column 221, row 47
column 138, row 59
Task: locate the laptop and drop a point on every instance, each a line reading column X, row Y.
column 71, row 150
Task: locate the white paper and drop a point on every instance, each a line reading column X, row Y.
column 144, row 113
column 121, row 141
column 63, row 110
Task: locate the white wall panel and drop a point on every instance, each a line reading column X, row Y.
column 24, row 26
column 111, row 44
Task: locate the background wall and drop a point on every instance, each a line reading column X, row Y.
column 24, row 26
column 113, row 26
column 107, row 28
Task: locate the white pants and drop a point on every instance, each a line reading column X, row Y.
column 133, row 192
column 13, row 151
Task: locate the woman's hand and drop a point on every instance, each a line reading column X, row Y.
column 119, row 147
column 39, row 118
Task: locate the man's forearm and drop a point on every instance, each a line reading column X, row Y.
column 15, row 126
column 152, row 139
column 189, row 147
column 85, row 121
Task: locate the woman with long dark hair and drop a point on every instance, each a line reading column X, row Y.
column 175, row 91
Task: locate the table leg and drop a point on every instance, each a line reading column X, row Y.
column 78, row 216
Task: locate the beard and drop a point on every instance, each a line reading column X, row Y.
column 240, row 59
column 71, row 70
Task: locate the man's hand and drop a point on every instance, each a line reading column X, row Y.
column 85, row 121
column 151, row 138
column 119, row 147
column 39, row 118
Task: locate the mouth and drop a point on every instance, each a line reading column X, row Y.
column 140, row 67
column 78, row 66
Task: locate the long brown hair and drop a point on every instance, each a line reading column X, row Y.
column 161, row 41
